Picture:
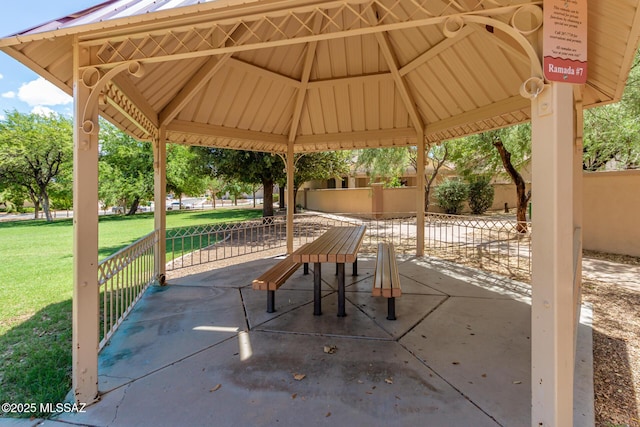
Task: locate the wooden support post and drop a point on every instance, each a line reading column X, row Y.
column 552, row 312
column 420, row 147
column 291, row 204
column 85, row 338
column 159, row 201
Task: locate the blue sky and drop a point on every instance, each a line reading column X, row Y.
column 20, row 88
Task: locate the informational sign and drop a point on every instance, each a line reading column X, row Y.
column 565, row 41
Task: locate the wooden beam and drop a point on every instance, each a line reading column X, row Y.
column 225, row 132
column 197, row 82
column 356, row 136
column 365, row 78
column 304, row 81
column 436, row 50
column 262, row 18
column 201, row 78
column 401, row 85
column 272, row 75
column 508, row 105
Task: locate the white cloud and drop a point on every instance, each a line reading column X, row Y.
column 10, row 95
column 42, row 111
column 1, row 77
column 2, row 117
column 40, row 92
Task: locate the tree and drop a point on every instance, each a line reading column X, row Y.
column 237, row 189
column 185, row 173
column 322, row 165
column 612, row 132
column 34, row 149
column 385, row 164
column 215, row 186
column 126, row 169
column 248, row 167
column 496, row 151
column 437, row 155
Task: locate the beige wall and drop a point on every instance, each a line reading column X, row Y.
column 611, row 212
column 342, row 200
column 611, row 207
column 505, row 193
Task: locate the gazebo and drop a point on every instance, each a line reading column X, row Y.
column 296, row 76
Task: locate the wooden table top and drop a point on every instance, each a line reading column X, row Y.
column 338, row 244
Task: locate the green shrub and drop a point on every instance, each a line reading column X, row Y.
column 480, row 195
column 451, row 195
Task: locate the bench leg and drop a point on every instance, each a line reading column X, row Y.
column 317, row 292
column 355, row 268
column 306, row 268
column 271, row 301
column 391, row 308
column 341, row 295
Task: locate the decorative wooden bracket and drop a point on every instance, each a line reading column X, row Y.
column 96, row 82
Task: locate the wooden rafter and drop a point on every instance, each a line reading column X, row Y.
column 224, row 132
column 491, row 110
column 304, row 82
column 272, row 75
column 436, row 50
column 197, row 82
column 377, row 134
column 389, row 55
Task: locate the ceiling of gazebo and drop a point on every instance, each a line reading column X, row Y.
column 322, row 75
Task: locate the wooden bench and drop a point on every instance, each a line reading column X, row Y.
column 272, row 279
column 386, row 279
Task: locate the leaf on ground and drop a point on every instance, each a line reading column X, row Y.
column 294, row 395
column 330, row 349
column 517, row 382
column 216, row 388
column 328, row 414
column 298, row 377
column 388, row 380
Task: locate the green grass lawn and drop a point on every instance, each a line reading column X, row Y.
column 36, row 261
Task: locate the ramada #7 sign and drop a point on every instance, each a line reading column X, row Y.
column 565, row 41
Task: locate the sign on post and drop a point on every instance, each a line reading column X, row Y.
column 565, row 41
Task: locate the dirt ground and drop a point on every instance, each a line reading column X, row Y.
column 616, row 353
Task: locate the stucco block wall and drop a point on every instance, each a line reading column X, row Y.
column 348, row 200
column 611, row 212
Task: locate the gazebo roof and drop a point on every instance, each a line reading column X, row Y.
column 323, row 75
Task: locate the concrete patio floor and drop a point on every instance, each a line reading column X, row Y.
column 203, row 351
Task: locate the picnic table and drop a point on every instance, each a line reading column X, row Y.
column 337, row 245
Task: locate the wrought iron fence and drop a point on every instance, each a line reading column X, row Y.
column 123, row 277
column 190, row 246
column 493, row 243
